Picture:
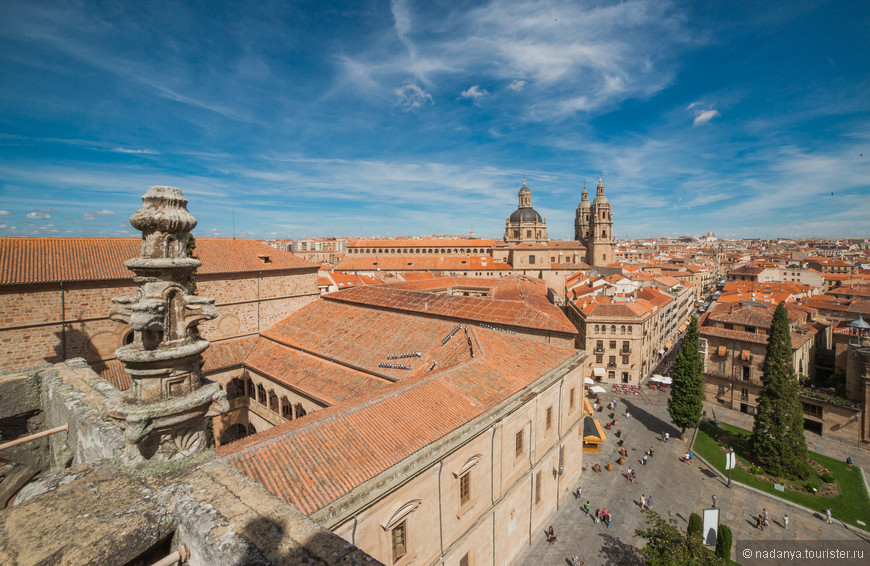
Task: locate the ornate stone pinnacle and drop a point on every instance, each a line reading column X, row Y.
column 164, row 416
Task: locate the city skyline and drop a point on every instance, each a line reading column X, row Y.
column 305, row 121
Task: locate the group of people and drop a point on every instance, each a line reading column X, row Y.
column 630, row 474
column 688, row 457
column 645, row 502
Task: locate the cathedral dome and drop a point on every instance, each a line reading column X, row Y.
column 526, row 214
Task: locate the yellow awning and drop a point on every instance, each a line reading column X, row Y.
column 722, row 351
column 587, row 406
column 683, row 327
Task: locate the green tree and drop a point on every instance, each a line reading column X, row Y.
column 687, row 391
column 696, row 526
column 666, row 545
column 778, row 441
column 723, row 543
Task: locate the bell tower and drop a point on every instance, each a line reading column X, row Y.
column 600, row 244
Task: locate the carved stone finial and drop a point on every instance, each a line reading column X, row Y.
column 165, row 413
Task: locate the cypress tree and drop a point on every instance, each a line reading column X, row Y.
column 687, row 391
column 778, row 441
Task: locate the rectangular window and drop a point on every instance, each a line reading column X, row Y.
column 400, row 541
column 549, row 418
column 599, row 345
column 532, row 260
column 538, row 487
column 518, row 444
column 722, row 367
column 613, row 344
column 599, row 358
column 465, row 488
column 745, row 370
column 571, row 399
column 625, row 360
column 611, row 361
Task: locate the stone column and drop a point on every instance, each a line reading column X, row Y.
column 164, row 413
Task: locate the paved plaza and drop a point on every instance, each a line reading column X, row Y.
column 676, row 488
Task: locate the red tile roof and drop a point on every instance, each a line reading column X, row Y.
column 427, row 242
column 528, row 309
column 313, row 461
column 43, row 260
column 420, row 263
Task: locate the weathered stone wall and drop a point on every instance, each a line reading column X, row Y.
column 32, row 333
column 21, row 414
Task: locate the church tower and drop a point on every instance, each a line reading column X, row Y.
column 581, row 217
column 525, row 224
column 600, row 245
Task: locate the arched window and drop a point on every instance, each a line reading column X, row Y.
column 613, row 329
column 597, row 328
column 300, row 410
column 252, row 391
column 261, row 394
column 286, row 408
column 622, row 329
column 252, row 429
column 629, row 328
column 235, row 388
column 273, row 402
column 129, row 337
column 604, row 233
column 475, row 250
column 233, row 433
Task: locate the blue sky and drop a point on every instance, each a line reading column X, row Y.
column 390, row 118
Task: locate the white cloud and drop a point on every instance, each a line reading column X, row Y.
column 3, row 226
column 37, row 216
column 4, row 213
column 703, row 117
column 89, row 216
column 517, row 85
column 474, row 92
column 134, row 151
column 412, row 96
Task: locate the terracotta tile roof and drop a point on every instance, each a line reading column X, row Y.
column 746, row 270
column 42, row 260
column 427, row 242
column 420, row 263
column 321, row 379
column 313, row 461
column 417, row 275
column 530, row 313
column 218, row 356
column 362, row 338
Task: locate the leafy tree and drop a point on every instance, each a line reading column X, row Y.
column 778, row 441
column 696, row 526
column 687, row 391
column 723, row 543
column 666, row 545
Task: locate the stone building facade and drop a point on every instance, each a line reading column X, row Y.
column 54, row 292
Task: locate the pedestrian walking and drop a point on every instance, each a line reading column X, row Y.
column 597, row 516
column 651, row 452
column 644, row 459
column 578, row 493
column 649, row 502
column 609, row 518
column 575, row 560
column 642, row 502
column 667, row 437
column 663, row 436
column 764, row 512
column 551, row 535
column 785, row 521
column 828, row 516
column 586, row 508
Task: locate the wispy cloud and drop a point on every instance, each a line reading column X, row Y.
column 704, row 117
column 412, row 97
column 4, row 213
column 474, row 92
column 37, row 216
column 517, row 85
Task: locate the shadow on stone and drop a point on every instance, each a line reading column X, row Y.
column 651, row 422
column 615, row 552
